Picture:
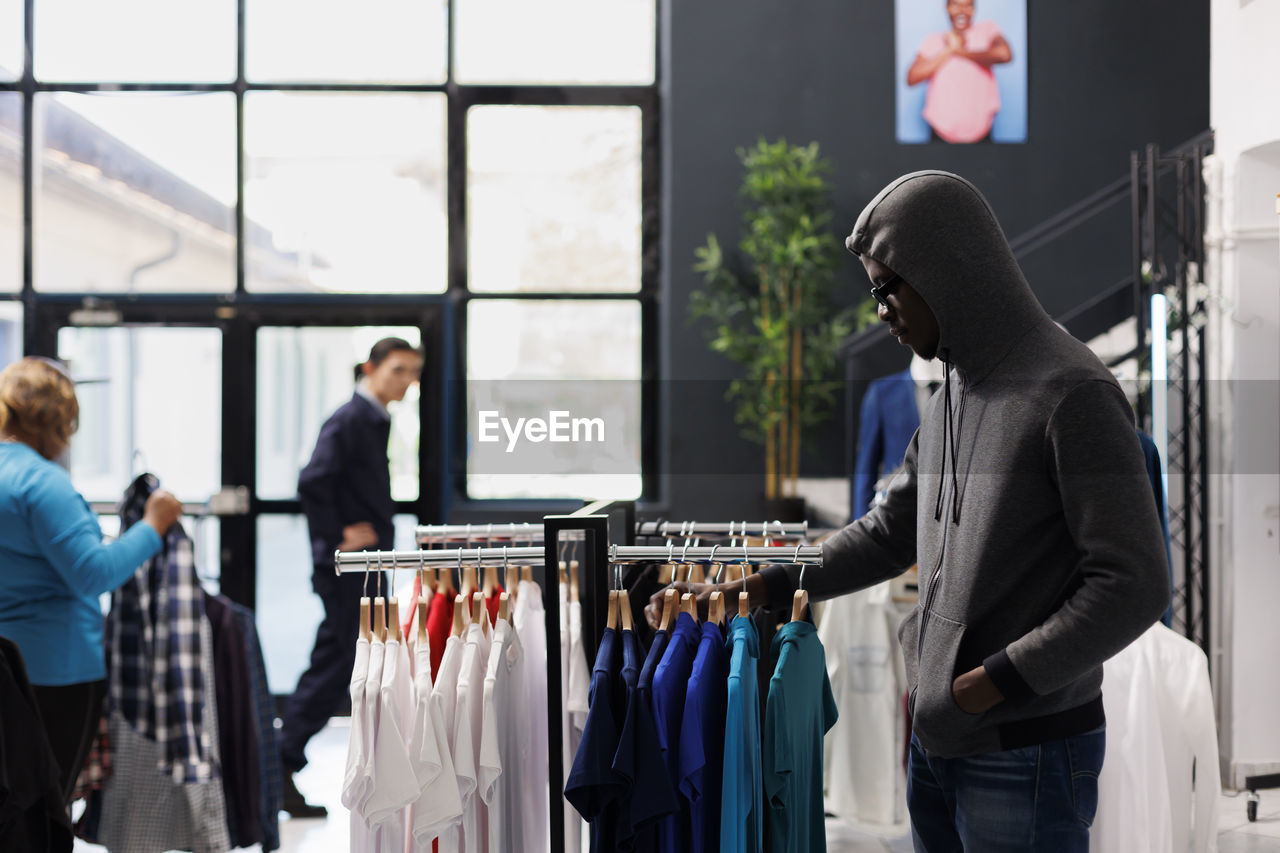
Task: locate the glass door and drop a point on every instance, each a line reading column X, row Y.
column 224, row 405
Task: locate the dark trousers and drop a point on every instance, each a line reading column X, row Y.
column 323, row 687
column 71, row 714
column 1039, row 799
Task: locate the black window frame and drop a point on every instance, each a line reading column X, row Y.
column 442, row 317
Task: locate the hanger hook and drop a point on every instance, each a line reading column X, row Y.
column 795, row 558
column 365, row 591
column 505, row 564
column 671, row 546
column 712, row 560
column 684, row 558
column 379, row 572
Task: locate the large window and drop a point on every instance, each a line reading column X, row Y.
column 345, row 193
column 227, row 209
column 553, row 199
column 10, row 190
column 135, row 192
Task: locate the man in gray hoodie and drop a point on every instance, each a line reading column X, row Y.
column 1024, row 500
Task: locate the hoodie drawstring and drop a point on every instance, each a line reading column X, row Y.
column 948, row 431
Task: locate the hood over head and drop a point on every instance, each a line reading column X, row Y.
column 937, row 231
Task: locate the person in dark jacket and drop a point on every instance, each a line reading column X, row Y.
column 1024, row 498
column 346, row 496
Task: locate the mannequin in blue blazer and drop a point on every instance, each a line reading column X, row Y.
column 889, row 417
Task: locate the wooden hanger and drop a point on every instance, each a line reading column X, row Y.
column 444, row 581
column 573, row 580
column 393, row 615
column 564, row 578
column 611, row 621
column 477, row 608
column 469, row 584
column 624, row 610
column 504, row 606
column 365, row 633
column 422, row 619
column 380, row 618
column 744, row 603
column 461, row 616
column 715, row 608
column 666, row 572
column 799, row 604
column 490, row 582
column 513, row 580
column 670, row 606
column 526, row 573
column 689, row 604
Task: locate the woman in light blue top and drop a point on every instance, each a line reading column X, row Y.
column 53, row 563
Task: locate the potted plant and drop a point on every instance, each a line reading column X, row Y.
column 774, row 314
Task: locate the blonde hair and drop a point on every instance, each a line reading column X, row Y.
column 38, row 401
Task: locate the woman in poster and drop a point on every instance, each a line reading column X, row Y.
column 962, row 97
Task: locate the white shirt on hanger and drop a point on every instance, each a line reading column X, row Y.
column 467, row 733
column 864, row 756
column 504, row 748
column 395, row 785
column 438, row 805
column 354, row 781
column 530, row 624
column 444, row 697
column 1160, row 723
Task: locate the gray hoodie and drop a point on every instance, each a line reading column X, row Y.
column 1023, row 496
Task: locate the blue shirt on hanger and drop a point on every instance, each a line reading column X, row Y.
column 670, row 682
column 799, row 711
column 742, row 798
column 593, row 788
column 702, row 738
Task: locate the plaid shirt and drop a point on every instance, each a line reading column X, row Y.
column 97, row 767
column 155, row 677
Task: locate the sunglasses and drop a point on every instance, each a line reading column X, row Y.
column 884, row 289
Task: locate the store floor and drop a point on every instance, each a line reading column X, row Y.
column 322, row 779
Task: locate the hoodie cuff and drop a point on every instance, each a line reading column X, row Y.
column 1006, row 678
column 779, row 588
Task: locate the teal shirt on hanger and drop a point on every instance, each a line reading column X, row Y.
column 799, row 712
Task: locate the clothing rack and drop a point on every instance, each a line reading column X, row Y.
column 533, row 532
column 723, row 529
column 809, row 555
column 425, row 534
column 593, row 525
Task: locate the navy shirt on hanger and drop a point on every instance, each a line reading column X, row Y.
column 593, row 788
column 670, row 683
column 702, row 738
column 652, row 797
column 638, row 760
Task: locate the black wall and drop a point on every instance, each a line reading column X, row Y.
column 1104, row 78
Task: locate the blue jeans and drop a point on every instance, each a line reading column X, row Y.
column 1039, row 798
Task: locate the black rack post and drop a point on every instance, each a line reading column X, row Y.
column 596, row 529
